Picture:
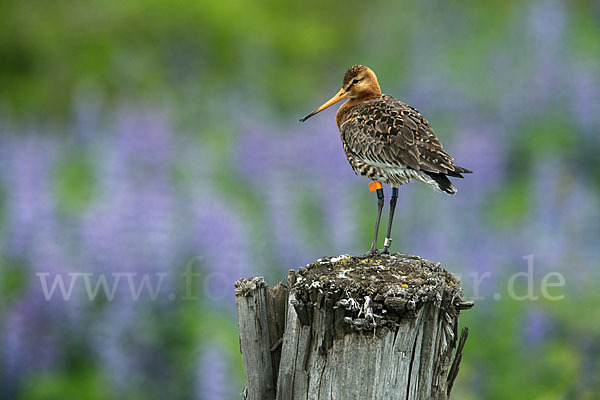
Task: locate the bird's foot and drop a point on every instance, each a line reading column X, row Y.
column 372, row 252
column 386, row 246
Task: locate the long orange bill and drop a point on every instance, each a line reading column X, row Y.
column 339, row 96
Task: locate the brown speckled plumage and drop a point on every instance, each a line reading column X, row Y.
column 388, row 141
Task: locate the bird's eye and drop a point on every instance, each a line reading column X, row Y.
column 354, row 82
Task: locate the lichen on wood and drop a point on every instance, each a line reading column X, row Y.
column 376, row 291
column 369, row 328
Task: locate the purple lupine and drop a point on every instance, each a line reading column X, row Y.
column 112, row 325
column 543, row 235
column 213, row 376
column 138, row 222
column 29, row 202
column 580, row 231
column 316, row 160
column 132, row 226
column 547, row 23
column 145, row 139
column 339, row 215
column 536, row 327
column 308, row 149
column 221, row 242
column 480, row 147
column 254, row 155
column 584, row 84
column 30, row 339
column 280, row 167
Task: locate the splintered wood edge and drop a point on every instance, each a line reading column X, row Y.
column 453, row 373
column 245, row 286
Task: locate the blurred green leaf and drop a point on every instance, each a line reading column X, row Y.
column 546, row 137
column 13, row 279
column 507, row 207
column 74, row 182
column 84, row 383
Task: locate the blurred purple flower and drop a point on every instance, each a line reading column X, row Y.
column 29, row 200
column 131, row 226
column 547, row 19
column 30, row 339
column 580, row 229
column 483, row 149
column 585, row 100
column 544, row 234
column 221, row 241
column 214, row 379
column 285, row 237
column 536, row 328
column 309, row 151
column 547, row 24
column 141, row 221
column 112, row 326
column 145, row 140
column 340, row 216
column 281, row 166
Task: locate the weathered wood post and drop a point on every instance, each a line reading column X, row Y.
column 385, row 327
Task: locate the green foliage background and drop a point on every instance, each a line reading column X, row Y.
column 523, row 75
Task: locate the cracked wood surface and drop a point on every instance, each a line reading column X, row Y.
column 344, row 328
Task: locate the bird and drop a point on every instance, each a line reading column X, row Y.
column 388, row 142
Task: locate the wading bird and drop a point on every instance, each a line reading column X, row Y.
column 388, row 141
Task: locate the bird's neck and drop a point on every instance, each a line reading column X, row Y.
column 345, row 109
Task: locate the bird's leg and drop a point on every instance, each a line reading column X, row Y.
column 393, row 200
column 376, row 187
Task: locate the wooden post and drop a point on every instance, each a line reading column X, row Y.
column 384, row 327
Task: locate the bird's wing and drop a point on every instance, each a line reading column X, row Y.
column 389, row 133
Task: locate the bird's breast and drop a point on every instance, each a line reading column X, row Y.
column 348, row 110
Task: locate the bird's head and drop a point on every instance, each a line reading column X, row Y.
column 359, row 84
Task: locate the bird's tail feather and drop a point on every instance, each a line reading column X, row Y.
column 443, row 182
column 461, row 170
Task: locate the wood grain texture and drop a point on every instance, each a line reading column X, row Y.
column 306, row 340
column 252, row 296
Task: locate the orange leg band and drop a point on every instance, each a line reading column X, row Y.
column 373, row 186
